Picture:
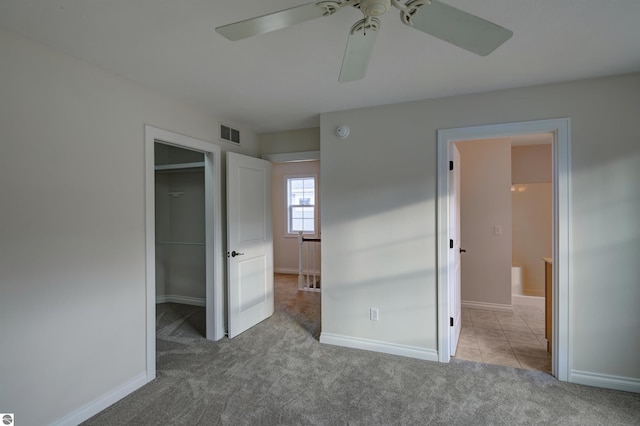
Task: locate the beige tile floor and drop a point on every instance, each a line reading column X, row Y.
column 512, row 339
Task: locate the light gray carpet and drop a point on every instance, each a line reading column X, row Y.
column 277, row 373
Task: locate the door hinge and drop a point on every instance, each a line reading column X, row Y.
column 450, row 165
column 450, row 243
column 451, row 321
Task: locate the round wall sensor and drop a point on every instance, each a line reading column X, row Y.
column 342, row 131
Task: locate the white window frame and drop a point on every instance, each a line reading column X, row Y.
column 287, row 208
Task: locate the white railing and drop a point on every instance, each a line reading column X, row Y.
column 308, row 263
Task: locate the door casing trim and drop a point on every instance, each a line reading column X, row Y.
column 562, row 288
column 213, row 236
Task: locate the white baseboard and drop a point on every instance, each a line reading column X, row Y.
column 282, row 270
column 537, row 301
column 94, row 407
column 185, row 300
column 627, row 384
column 377, row 346
column 467, row 304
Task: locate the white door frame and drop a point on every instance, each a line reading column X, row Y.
column 213, row 236
column 562, row 303
column 455, row 287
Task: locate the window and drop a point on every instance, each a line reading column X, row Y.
column 301, row 204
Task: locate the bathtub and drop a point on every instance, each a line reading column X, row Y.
column 517, row 298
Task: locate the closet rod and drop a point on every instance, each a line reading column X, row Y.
column 179, row 166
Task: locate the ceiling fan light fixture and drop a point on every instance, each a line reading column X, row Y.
column 374, row 7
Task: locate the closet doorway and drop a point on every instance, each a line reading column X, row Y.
column 180, row 241
column 184, row 259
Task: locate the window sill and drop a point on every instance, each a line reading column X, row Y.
column 304, row 235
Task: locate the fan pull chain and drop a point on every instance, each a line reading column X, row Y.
column 364, row 29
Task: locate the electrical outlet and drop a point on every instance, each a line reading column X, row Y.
column 497, row 230
column 373, row 314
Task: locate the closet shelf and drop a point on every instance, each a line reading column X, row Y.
column 179, row 243
column 178, row 166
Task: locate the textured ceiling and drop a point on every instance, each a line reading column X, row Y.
column 285, row 79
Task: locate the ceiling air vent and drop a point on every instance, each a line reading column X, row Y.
column 229, row 134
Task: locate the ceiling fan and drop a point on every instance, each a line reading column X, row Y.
column 430, row 16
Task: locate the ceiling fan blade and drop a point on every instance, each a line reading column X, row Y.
column 360, row 44
column 460, row 28
column 271, row 22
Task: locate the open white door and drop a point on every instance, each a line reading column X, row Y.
column 455, row 310
column 249, row 242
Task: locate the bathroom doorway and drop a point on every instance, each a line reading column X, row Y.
column 498, row 326
column 499, row 312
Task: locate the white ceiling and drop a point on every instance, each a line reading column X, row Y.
column 285, row 79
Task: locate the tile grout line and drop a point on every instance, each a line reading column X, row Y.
column 493, row 319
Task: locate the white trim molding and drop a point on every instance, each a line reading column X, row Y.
column 378, row 346
column 497, row 307
column 608, row 381
column 213, row 235
column 97, row 405
column 292, row 157
column 560, row 128
column 184, row 300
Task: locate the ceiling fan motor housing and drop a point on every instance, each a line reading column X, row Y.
column 374, row 7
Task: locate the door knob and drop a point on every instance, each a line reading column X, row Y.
column 235, row 253
column 462, row 250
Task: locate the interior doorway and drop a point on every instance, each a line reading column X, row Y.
column 505, row 216
column 212, row 238
column 180, row 241
column 290, row 258
column 559, row 128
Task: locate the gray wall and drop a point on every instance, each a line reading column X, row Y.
column 289, row 141
column 180, row 235
column 485, row 202
column 379, row 221
column 163, row 228
column 532, row 221
column 72, row 230
column 532, row 213
column 531, row 163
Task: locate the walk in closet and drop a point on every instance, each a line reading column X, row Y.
column 180, row 225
